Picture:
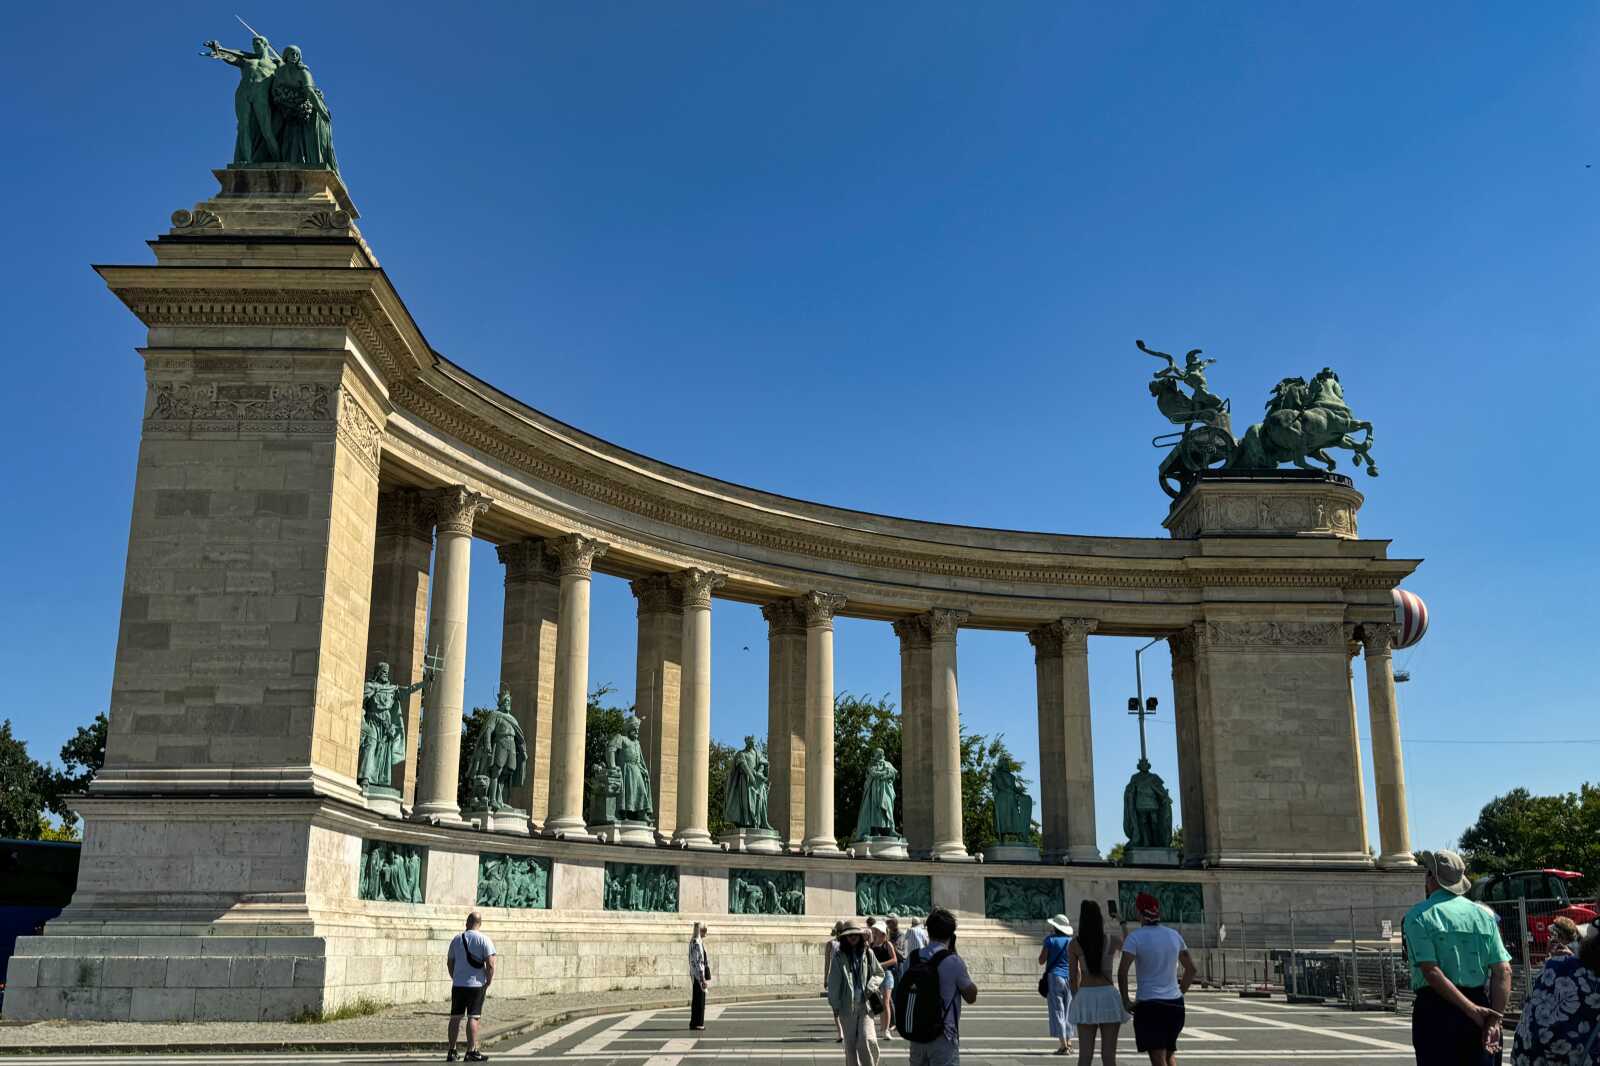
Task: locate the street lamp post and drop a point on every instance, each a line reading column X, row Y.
column 1140, row 706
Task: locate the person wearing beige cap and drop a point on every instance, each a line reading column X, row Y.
column 1455, row 950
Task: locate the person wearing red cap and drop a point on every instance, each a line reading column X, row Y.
column 1158, row 1015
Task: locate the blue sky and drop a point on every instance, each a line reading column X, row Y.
column 894, row 257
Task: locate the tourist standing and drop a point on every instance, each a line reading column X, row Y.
column 883, row 950
column 856, row 973
column 1158, row 1015
column 1561, row 1019
column 1057, row 980
column 1455, row 951
column 930, row 995
column 829, row 950
column 897, row 937
column 470, row 962
column 699, row 976
column 916, row 939
column 1563, row 936
column 1096, row 1009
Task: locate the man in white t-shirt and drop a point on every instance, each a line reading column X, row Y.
column 470, row 961
column 1158, row 1014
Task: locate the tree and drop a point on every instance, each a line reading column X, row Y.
column 859, row 725
column 24, row 784
column 717, row 786
column 81, row 758
column 1521, row 831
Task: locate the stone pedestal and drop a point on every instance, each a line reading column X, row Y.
column 382, row 800
column 509, row 820
column 880, row 848
column 638, row 833
column 755, row 841
column 1011, row 853
column 1286, row 503
column 1152, row 857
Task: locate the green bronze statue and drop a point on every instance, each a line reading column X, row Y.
column 628, row 776
column 876, row 818
column 282, row 116
column 383, row 727
column 1147, row 810
column 499, row 759
column 744, row 804
column 1013, row 807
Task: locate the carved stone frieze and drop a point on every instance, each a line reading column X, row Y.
column 528, row 560
column 696, row 585
column 197, row 219
column 456, row 508
column 1281, row 634
column 233, row 404
column 359, row 431
column 577, row 554
column 1265, row 509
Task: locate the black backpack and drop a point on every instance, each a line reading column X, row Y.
column 918, row 1009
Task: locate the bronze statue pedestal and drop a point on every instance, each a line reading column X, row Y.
column 880, row 848
column 1011, row 853
column 381, row 799
column 1151, row 857
column 642, row 834
column 509, row 820
column 1281, row 503
column 754, row 841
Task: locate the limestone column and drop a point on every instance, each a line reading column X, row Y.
column 786, row 720
column 1352, row 649
column 576, row 555
column 398, row 626
column 916, row 749
column 1078, row 739
column 1185, row 714
column 694, row 707
column 528, row 661
column 1046, row 641
column 658, row 673
column 944, row 725
column 454, row 510
column 1388, row 771
column 818, row 609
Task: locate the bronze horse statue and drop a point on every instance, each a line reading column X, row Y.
column 1302, row 421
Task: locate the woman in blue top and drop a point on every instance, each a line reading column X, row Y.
column 1057, row 974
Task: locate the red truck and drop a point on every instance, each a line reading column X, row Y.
column 1547, row 896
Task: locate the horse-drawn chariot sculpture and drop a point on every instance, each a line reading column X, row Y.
column 1303, row 420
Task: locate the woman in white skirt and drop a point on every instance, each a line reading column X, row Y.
column 1096, row 1009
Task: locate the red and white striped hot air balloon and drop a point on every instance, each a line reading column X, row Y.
column 1410, row 618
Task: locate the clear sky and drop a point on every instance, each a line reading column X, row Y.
column 894, row 257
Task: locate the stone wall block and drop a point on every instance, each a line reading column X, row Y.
column 162, row 1005
column 199, row 971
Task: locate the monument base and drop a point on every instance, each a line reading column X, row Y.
column 1152, row 857
column 641, row 834
column 880, row 848
column 509, row 820
column 381, row 799
column 754, row 841
column 1283, row 503
column 1011, row 853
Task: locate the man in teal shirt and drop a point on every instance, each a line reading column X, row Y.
column 1455, row 951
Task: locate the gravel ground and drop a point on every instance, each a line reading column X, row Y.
column 409, row 1025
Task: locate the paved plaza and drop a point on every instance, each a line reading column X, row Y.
column 1001, row 1028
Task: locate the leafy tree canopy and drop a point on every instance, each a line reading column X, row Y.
column 1521, row 831
column 30, row 789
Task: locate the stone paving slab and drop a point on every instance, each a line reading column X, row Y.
column 406, row 1027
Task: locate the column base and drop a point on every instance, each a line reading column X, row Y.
column 509, row 820
column 951, row 852
column 438, row 814
column 754, row 841
column 567, row 829
column 880, row 848
column 1151, row 857
column 695, row 839
column 637, row 834
column 1084, row 853
column 826, row 846
column 381, row 799
column 1400, row 860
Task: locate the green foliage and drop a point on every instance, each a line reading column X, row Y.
column 717, row 787
column 1117, row 853
column 602, row 723
column 859, row 725
column 360, row 1007
column 23, row 788
column 980, row 755
column 1521, row 831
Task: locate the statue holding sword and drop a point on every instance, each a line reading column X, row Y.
column 282, row 115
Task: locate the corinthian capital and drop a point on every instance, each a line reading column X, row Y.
column 695, row 586
column 944, row 621
column 655, row 594
column 1182, row 644
column 527, row 560
column 405, row 512
column 818, row 608
column 1046, row 641
column 455, row 508
column 782, row 616
column 1075, row 632
column 1377, row 638
column 577, row 554
column 913, row 632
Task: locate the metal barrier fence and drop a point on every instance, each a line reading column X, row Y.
column 1352, row 956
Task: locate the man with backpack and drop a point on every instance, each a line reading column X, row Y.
column 927, row 1001
column 470, row 961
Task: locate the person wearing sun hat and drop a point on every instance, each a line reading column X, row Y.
column 855, row 974
column 1455, row 950
column 1056, row 984
column 1158, row 1015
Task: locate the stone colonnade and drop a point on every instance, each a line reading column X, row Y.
column 544, row 665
